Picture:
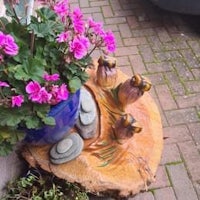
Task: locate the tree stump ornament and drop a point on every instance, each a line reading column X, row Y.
column 114, row 159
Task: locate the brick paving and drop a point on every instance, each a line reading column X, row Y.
column 165, row 47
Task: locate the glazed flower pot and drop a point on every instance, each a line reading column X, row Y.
column 65, row 114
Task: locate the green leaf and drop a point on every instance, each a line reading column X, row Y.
column 32, row 122
column 10, row 117
column 49, row 121
column 75, row 84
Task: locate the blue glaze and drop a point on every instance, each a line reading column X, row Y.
column 65, row 114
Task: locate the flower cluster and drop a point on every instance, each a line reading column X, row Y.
column 50, row 93
column 44, row 61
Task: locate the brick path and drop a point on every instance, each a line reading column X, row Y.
column 166, row 48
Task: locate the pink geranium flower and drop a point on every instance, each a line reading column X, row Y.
column 61, row 8
column 4, row 84
column 2, row 39
column 77, row 20
column 96, row 26
column 63, row 92
column 10, row 47
column 63, row 37
column 17, row 100
column 58, row 93
column 53, row 77
column 109, row 40
column 79, row 47
column 33, row 87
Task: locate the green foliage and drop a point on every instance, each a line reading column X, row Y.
column 8, row 138
column 40, row 185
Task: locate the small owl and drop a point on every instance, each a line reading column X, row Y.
column 126, row 126
column 132, row 89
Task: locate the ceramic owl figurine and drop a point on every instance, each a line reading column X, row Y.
column 106, row 72
column 132, row 89
column 126, row 126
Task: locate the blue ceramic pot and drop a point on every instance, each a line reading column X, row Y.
column 65, row 114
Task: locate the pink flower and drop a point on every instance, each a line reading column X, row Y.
column 109, row 40
column 4, row 84
column 17, row 100
column 63, row 92
column 96, row 26
column 58, row 93
column 33, row 87
column 10, row 47
column 63, row 37
column 61, row 8
column 7, row 43
column 2, row 39
column 79, row 47
column 77, row 20
column 53, row 77
column 37, row 93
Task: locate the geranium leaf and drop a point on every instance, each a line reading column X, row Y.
column 32, row 122
column 49, row 121
column 6, row 119
column 74, row 84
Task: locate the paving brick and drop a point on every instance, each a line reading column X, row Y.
column 181, row 116
column 147, row 53
column 195, row 46
column 168, row 56
column 193, row 86
column 194, row 130
column 191, row 157
column 170, row 154
column 182, row 70
column 127, row 70
column 156, row 79
column 119, row 42
column 132, row 22
column 174, row 45
column 197, row 188
column 107, row 11
column 115, row 4
column 164, row 194
column 190, row 58
column 84, row 3
column 156, row 45
column 159, row 67
column 123, row 13
column 115, row 20
column 188, row 100
column 125, row 30
column 124, row 51
column 181, row 183
column 174, row 134
column 99, row 3
column 91, row 10
column 123, row 61
column 175, row 84
column 144, row 32
column 196, row 73
column 143, row 196
column 98, row 17
column 137, row 64
column 161, row 179
column 165, row 97
column 163, row 35
column 135, row 41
